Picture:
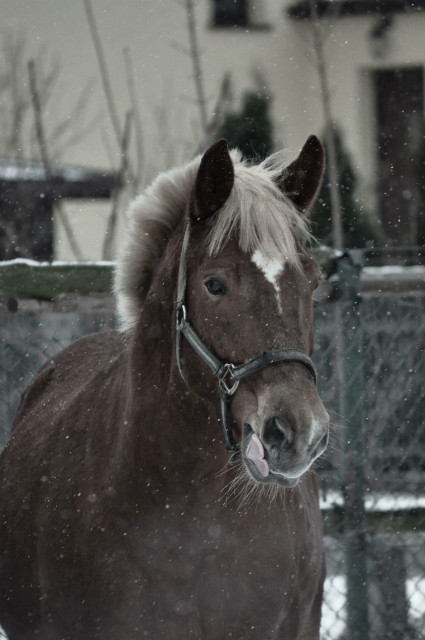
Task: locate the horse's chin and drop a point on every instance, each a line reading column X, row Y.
column 273, row 477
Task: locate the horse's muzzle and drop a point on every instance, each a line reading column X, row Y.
column 279, row 451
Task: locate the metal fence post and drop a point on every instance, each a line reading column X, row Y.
column 350, row 363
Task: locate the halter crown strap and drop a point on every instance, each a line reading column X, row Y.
column 181, row 294
column 228, row 374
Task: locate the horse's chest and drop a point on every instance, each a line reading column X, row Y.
column 222, row 567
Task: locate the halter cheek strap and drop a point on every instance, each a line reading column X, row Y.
column 229, row 375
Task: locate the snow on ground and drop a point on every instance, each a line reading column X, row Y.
column 378, row 502
column 334, row 614
column 393, row 271
column 56, row 263
column 415, row 593
column 333, row 609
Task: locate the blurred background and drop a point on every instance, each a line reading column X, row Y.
column 122, row 90
column 98, row 96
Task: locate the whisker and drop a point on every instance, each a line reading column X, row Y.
column 335, row 413
column 225, row 469
column 336, row 436
column 232, row 490
column 246, row 493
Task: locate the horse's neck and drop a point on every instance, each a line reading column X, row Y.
column 173, row 431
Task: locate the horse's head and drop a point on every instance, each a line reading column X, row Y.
column 249, row 289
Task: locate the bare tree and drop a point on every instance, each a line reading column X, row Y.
column 138, row 129
column 337, row 231
column 209, row 121
column 103, row 70
column 18, row 136
column 26, row 228
column 42, row 144
column 112, row 222
column 122, row 135
column 196, row 62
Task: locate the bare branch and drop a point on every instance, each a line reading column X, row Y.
column 107, row 147
column 66, row 126
column 41, row 138
column 38, row 118
column 11, row 238
column 129, row 69
column 196, row 62
column 104, row 75
column 110, row 231
column 222, row 98
column 180, row 48
column 18, row 136
column 337, row 231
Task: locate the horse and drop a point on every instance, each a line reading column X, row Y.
column 158, row 480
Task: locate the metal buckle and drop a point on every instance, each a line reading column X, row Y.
column 230, row 388
column 234, row 458
column 180, row 316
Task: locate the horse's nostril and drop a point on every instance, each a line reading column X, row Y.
column 320, row 447
column 324, row 441
column 277, row 431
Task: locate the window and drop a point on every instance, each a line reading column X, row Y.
column 230, row 13
column 399, row 109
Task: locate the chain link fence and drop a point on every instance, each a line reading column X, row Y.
column 370, row 358
column 370, row 355
column 31, row 331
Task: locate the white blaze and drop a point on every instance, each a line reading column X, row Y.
column 271, row 270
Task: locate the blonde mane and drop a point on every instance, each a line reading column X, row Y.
column 263, row 218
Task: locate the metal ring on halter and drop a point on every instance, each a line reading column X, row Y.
column 180, row 315
column 228, row 371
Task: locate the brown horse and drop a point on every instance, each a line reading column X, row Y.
column 121, row 514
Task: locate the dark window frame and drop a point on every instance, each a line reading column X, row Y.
column 228, row 14
column 302, row 8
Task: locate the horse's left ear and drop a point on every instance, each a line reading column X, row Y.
column 214, row 181
column 301, row 180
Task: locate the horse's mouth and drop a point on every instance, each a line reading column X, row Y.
column 258, row 465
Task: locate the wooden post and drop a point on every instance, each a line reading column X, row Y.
column 387, row 592
column 350, row 375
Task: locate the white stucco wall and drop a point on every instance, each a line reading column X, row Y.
column 154, row 31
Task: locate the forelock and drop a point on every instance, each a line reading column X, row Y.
column 256, row 212
column 261, row 216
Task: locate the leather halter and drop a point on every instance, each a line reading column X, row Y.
column 229, row 375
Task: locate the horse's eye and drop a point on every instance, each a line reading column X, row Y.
column 215, row 287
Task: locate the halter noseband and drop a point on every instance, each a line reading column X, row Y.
column 229, row 375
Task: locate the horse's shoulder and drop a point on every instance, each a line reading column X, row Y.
column 87, row 353
column 80, row 360
column 105, row 343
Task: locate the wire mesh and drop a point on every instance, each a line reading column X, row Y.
column 28, row 339
column 392, row 402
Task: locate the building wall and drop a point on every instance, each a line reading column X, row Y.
column 155, row 34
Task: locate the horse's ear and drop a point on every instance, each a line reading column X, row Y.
column 301, row 180
column 214, row 181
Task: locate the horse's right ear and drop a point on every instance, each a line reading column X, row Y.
column 214, row 181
